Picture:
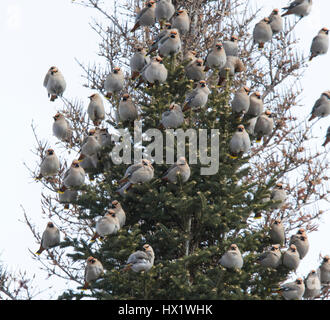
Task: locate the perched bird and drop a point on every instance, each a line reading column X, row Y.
column 120, row 213
column 277, row 233
column 251, row 125
column 324, row 271
column 50, row 165
column 73, row 177
column 138, row 61
column 181, row 168
column 94, row 269
column 164, row 10
column 172, row 118
column 300, row 8
column 50, row 238
column 291, row 258
column 95, row 109
column 216, row 58
column 190, row 56
column 170, row 45
column 301, row 242
column 55, row 83
column 104, row 137
column 164, row 33
column 195, row 70
column 127, row 110
column 279, row 195
column 146, row 17
column 320, row 43
column 293, row 290
column 312, row 285
column 256, row 105
column 90, row 145
column 181, row 21
column 321, row 107
column 198, row 97
column 232, row 258
column 155, row 71
column 264, row 125
column 114, row 82
column 239, row 143
column 107, row 225
column 68, row 197
column 141, row 260
column 271, row 258
column 262, row 32
column 276, row 21
column 241, row 101
column 231, row 46
column 61, row 128
column 140, row 172
column 327, row 138
column 233, row 65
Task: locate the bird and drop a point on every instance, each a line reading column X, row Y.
column 232, row 259
column 164, row 33
column 264, row 125
column 251, row 125
column 277, row 232
column 271, row 258
column 103, row 137
column 327, row 138
column 73, row 177
column 278, row 194
column 321, row 107
column 239, row 143
column 320, row 43
column 106, row 225
column 291, row 258
column 95, row 109
column 93, row 270
column 231, row 46
column 180, row 168
column 55, row 83
column 50, row 165
column 170, row 45
column 300, row 8
column 324, row 271
column 90, row 145
column 181, row 21
column 262, row 32
column 312, row 285
column 301, row 242
column 114, row 82
column 256, row 105
column 195, row 70
column 127, row 110
column 120, row 213
column 61, row 128
column 190, row 57
column 50, row 238
column 67, row 197
column 276, row 21
column 293, row 290
column 141, row 260
column 146, row 17
column 140, row 172
column 216, row 58
column 172, row 118
column 154, row 72
column 233, row 65
column 241, row 101
column 164, row 10
column 198, row 97
column 138, row 61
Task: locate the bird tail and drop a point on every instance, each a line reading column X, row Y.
column 128, row 267
column 81, row 157
column 95, row 236
column 135, row 26
column 221, row 80
column 286, row 13
column 85, row 287
column 62, row 189
column 108, row 95
column 257, row 215
column 261, row 45
column 311, row 57
column 185, row 107
column 327, row 140
column 135, row 74
column 232, row 156
column 66, row 206
column 41, row 249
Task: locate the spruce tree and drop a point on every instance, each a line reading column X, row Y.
column 189, row 225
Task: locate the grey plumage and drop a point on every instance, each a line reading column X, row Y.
column 50, row 165
column 74, row 176
column 61, row 128
column 324, row 271
column 127, row 110
column 114, row 82
column 95, row 109
column 241, row 101
column 278, row 194
column 155, row 71
column 256, row 105
column 291, row 258
column 231, row 46
column 293, row 290
column 141, row 260
column 321, row 107
column 276, row 21
column 55, row 83
column 146, row 17
column 198, row 97
column 216, row 58
column 164, row 10
column 181, row 168
column 312, row 285
column 138, row 61
column 195, row 70
column 233, row 65
column 301, row 242
column 300, row 8
column 271, row 258
column 50, row 238
column 120, row 213
column 93, row 270
column 320, row 43
column 264, row 125
column 232, row 258
column 262, row 32
column 170, row 44
column 277, row 232
column 181, row 21
column 172, row 118
column 240, row 142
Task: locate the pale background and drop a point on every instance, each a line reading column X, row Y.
column 37, row 34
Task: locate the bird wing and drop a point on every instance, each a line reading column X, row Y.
column 138, row 256
column 294, row 4
column 130, row 170
column 318, row 102
column 142, row 12
column 46, row 79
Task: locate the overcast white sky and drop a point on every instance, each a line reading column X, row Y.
column 37, row 34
